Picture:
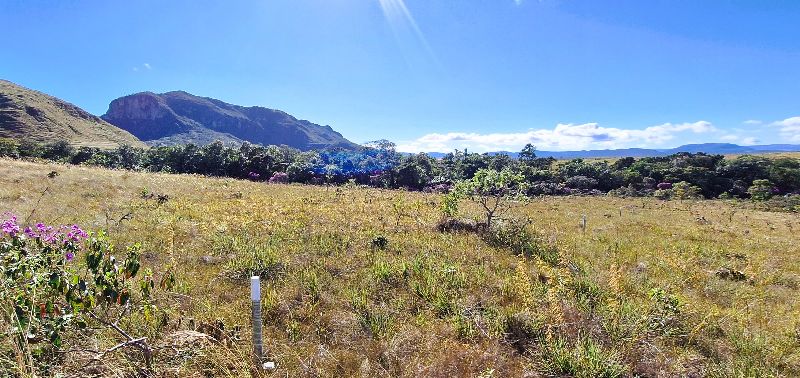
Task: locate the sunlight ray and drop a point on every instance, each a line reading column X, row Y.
column 401, row 20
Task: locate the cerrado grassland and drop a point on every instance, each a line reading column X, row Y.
column 359, row 281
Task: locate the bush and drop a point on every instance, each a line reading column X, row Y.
column 9, row 148
column 279, row 178
column 761, row 190
column 683, row 190
column 515, row 236
column 46, row 294
column 546, row 188
column 581, row 182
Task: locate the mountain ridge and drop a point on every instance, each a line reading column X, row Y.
column 709, row 148
column 179, row 117
column 28, row 114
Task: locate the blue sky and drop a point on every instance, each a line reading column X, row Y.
column 433, row 75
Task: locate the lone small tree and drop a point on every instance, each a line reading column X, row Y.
column 495, row 191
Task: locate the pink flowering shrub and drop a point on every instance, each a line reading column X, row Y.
column 279, row 178
column 45, row 291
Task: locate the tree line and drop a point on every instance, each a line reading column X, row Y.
column 378, row 164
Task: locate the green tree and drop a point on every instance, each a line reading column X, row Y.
column 495, row 191
column 528, row 154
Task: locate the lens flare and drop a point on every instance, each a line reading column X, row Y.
column 402, row 23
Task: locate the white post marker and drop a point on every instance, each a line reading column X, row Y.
column 255, row 296
column 583, row 223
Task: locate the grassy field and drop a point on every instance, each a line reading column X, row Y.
column 647, row 289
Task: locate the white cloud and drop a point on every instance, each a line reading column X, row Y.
column 753, row 122
column 562, row 137
column 789, row 128
column 729, row 138
column 142, row 67
column 750, row 141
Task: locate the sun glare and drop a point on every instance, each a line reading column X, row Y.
column 402, row 23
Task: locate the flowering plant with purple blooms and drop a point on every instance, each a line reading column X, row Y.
column 49, row 291
column 9, row 225
column 279, row 178
column 253, row 176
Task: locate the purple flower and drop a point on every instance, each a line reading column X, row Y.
column 69, row 256
column 10, row 225
column 253, row 176
column 279, row 178
column 76, row 233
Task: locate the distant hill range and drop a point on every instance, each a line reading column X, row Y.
column 26, row 114
column 179, row 118
column 709, row 148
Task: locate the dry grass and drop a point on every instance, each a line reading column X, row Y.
column 440, row 304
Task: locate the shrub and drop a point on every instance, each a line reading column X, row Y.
column 380, row 242
column 665, row 314
column 625, row 191
column 581, row 182
column 9, row 148
column 761, row 190
column 515, row 236
column 683, row 190
column 46, row 294
column 456, row 225
column 663, row 194
column 279, row 178
column 545, row 188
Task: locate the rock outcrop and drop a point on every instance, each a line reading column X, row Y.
column 179, row 117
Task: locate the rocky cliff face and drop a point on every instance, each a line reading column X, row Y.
column 35, row 116
column 180, row 117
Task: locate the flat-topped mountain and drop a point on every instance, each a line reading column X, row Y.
column 26, row 114
column 179, row 118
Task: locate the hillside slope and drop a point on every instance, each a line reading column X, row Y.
column 179, row 117
column 35, row 116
